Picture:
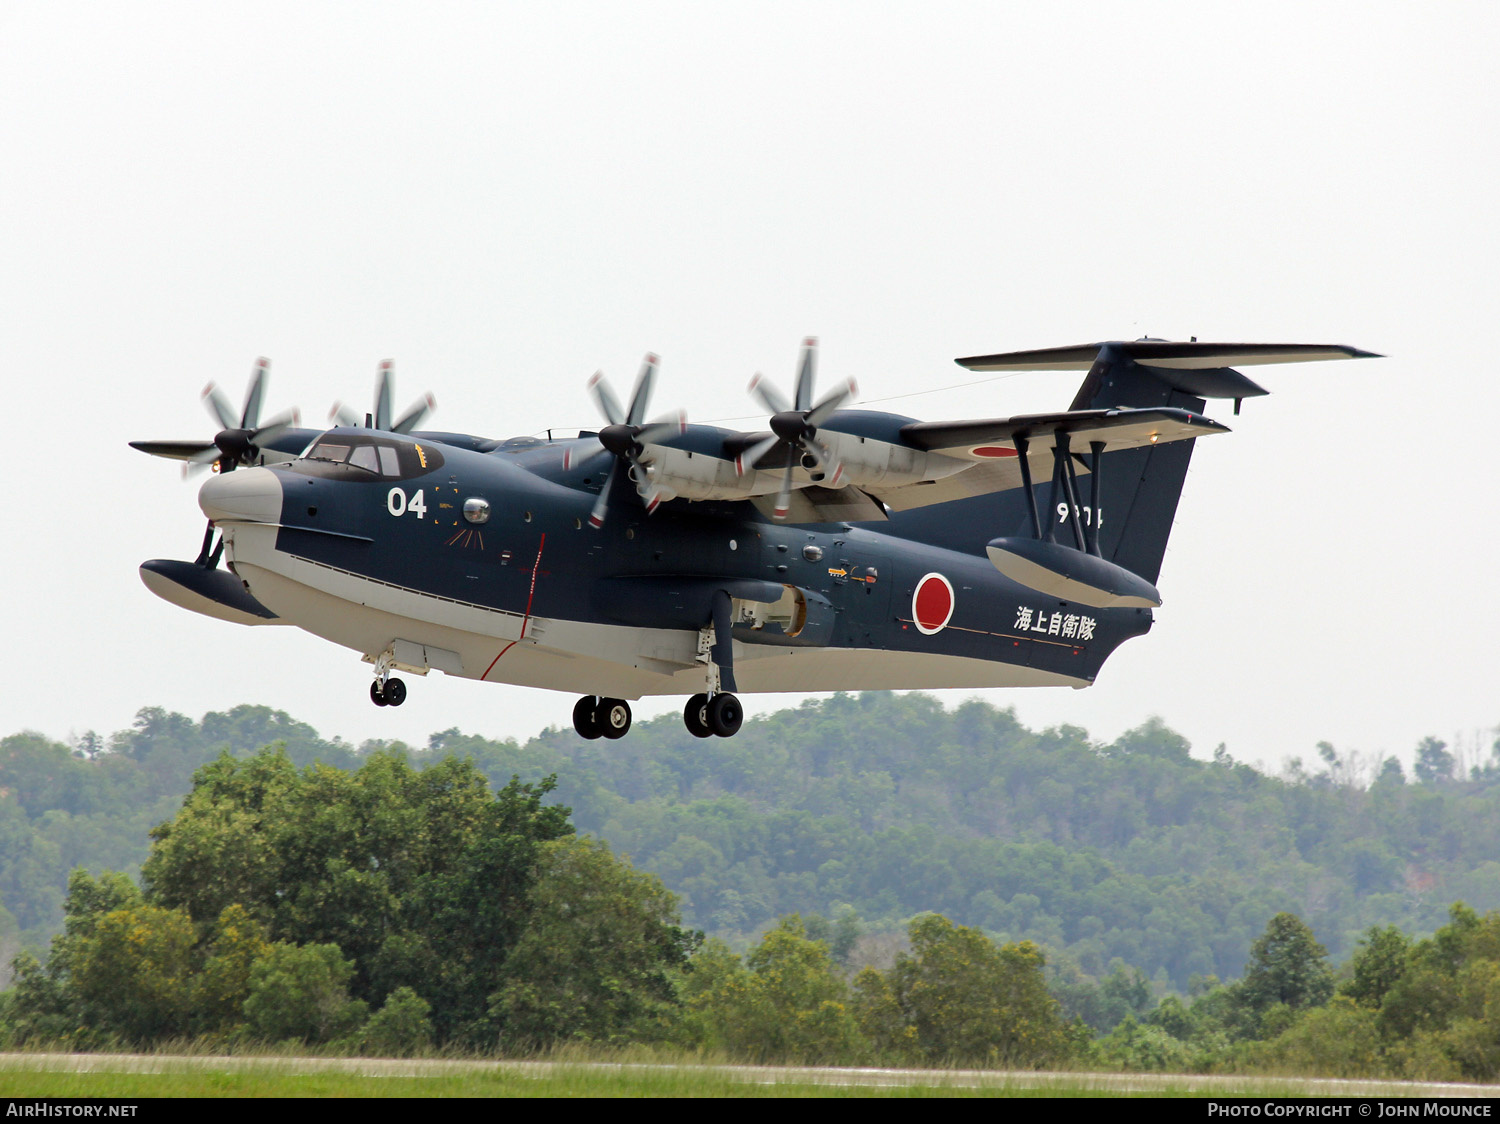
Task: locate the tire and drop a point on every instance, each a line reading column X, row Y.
column 695, row 716
column 395, row 692
column 375, row 696
column 586, row 719
column 614, row 717
column 725, row 715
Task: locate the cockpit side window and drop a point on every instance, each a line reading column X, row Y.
column 329, row 451
column 374, row 456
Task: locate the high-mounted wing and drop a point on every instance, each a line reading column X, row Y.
column 992, row 446
column 1120, row 429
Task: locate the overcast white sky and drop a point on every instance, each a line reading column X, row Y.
column 505, row 197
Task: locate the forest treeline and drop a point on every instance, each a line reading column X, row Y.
column 393, row 910
column 876, row 808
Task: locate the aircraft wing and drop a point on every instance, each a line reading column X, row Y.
column 990, row 444
column 1118, row 429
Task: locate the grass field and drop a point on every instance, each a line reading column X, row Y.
column 143, row 1076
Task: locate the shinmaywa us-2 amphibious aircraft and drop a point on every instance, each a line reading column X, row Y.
column 841, row 549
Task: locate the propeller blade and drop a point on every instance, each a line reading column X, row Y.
column 653, row 496
column 769, row 396
column 831, row 402
column 601, row 505
column 383, row 394
column 273, row 428
column 640, row 397
column 662, row 427
column 806, row 368
column 250, row 417
column 409, row 420
column 745, row 462
column 582, row 460
column 344, row 416
column 784, row 497
column 609, row 405
column 218, row 407
column 176, row 450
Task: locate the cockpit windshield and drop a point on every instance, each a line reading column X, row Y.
column 375, row 456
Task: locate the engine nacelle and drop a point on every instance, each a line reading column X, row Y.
column 866, row 463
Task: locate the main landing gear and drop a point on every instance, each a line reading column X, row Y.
column 720, row 714
column 596, row 717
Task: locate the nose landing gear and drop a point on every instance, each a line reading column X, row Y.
column 596, row 717
column 386, row 690
column 391, row 693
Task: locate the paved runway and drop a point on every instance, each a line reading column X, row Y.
column 1106, row 1084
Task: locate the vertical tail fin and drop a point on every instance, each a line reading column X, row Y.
column 1140, row 487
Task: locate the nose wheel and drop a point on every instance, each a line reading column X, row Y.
column 390, row 693
column 596, row 717
column 720, row 715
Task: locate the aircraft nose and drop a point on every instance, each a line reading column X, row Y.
column 252, row 494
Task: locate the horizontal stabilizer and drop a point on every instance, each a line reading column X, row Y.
column 1071, row 575
column 1118, row 429
column 1174, row 354
column 214, row 593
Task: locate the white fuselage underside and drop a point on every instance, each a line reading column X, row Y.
column 478, row 642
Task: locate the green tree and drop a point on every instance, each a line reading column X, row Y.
column 420, row 877
column 1287, row 965
column 133, row 972
column 1341, row 1039
column 1377, row 966
column 785, row 1002
column 401, row 1027
column 301, row 993
column 957, row 998
column 1143, row 1047
column 596, row 958
column 1434, row 763
column 222, row 986
column 49, row 1004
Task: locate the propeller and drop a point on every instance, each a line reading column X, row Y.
column 626, row 436
column 795, row 426
column 380, row 418
column 238, row 440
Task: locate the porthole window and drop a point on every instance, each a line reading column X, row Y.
column 812, row 553
column 477, row 510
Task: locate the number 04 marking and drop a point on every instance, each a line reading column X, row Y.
column 398, row 505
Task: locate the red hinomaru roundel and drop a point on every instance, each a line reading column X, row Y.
column 932, row 604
